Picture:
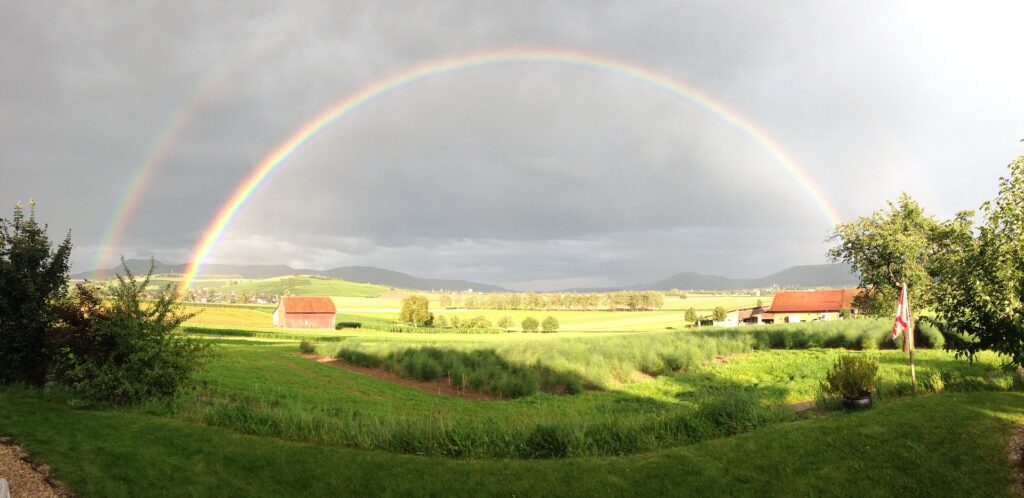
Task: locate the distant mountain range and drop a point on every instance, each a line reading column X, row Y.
column 361, row 274
column 806, row 276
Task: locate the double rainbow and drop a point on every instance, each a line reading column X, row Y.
column 445, row 66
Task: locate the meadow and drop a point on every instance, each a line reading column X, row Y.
column 636, row 401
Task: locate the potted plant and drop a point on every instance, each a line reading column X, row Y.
column 853, row 378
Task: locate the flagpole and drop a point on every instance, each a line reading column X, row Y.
column 908, row 341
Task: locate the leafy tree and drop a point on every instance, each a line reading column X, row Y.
column 530, row 324
column 506, row 322
column 446, row 301
column 760, row 304
column 979, row 290
column 550, row 324
column 440, row 322
column 480, row 322
column 123, row 349
column 691, row 316
column 719, row 314
column 456, row 322
column 33, row 276
column 415, row 311
column 887, row 248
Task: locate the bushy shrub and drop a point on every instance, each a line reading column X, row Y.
column 307, row 347
column 123, row 350
column 852, row 376
column 33, row 275
column 348, row 325
column 550, row 324
column 547, row 441
column 530, row 324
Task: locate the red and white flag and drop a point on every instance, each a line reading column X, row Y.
column 902, row 322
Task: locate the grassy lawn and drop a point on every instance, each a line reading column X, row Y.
column 935, row 445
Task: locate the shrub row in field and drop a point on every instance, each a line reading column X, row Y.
column 860, row 334
column 477, row 370
column 496, row 437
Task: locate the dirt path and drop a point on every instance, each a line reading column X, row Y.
column 1016, row 451
column 25, row 478
column 441, row 387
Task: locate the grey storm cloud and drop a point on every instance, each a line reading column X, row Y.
column 532, row 175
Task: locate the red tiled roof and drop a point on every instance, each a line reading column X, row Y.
column 813, row 301
column 304, row 304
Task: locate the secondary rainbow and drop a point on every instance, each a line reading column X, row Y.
column 380, row 88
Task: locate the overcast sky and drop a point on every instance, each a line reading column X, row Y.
column 528, row 175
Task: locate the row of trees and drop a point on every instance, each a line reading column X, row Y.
column 969, row 269
column 416, row 312
column 104, row 347
column 611, row 301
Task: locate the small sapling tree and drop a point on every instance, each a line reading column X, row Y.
column 550, row 324
column 416, row 311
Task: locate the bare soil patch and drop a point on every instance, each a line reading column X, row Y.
column 441, row 387
column 26, row 477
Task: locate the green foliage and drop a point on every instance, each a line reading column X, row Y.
column 852, row 376
column 479, row 322
column 530, row 324
column 347, row 325
column 440, row 322
column 845, row 313
column 415, row 311
column 307, row 347
column 123, row 349
column 550, row 324
column 888, row 248
column 691, row 316
column 506, row 322
column 980, row 289
column 719, row 314
column 33, row 275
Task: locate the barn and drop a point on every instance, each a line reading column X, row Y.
column 305, row 312
column 802, row 306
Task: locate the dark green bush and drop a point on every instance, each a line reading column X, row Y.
column 348, row 325
column 307, row 347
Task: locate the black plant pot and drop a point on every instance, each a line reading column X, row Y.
column 858, row 403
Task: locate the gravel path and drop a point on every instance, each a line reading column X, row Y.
column 23, row 479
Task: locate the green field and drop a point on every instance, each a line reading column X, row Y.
column 263, row 418
column 615, row 396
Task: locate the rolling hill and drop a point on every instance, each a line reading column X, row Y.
column 827, row 275
column 359, row 274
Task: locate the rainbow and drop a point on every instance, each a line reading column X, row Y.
column 194, row 102
column 450, row 65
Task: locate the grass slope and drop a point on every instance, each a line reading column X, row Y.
column 937, row 445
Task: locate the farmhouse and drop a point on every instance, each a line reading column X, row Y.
column 742, row 316
column 801, row 306
column 305, row 312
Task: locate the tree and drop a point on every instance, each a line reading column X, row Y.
column 33, row 276
column 886, row 249
column 979, row 290
column 446, row 301
column 759, row 303
column 506, row 322
column 440, row 322
column 550, row 324
column 456, row 322
column 719, row 314
column 530, row 324
column 691, row 316
column 480, row 322
column 125, row 348
column 415, row 311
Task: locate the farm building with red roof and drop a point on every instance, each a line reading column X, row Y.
column 305, row 312
column 797, row 306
